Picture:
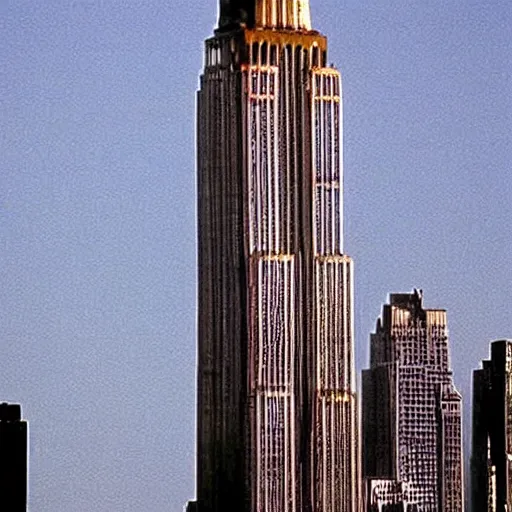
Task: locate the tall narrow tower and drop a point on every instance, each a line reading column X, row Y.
column 277, row 419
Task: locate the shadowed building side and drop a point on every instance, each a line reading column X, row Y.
column 13, row 459
column 491, row 456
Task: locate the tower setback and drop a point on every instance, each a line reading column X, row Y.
column 277, row 419
column 412, row 433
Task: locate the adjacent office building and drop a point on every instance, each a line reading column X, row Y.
column 491, row 457
column 412, row 434
column 13, row 459
column 277, row 419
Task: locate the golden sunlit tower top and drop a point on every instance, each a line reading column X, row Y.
column 273, row 14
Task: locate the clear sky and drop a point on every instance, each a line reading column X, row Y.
column 97, row 215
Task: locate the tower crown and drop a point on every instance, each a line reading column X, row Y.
column 273, row 14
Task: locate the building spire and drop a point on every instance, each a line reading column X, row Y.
column 288, row 14
column 274, row 14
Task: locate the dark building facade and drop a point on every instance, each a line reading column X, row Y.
column 277, row 418
column 412, row 433
column 491, row 456
column 13, row 459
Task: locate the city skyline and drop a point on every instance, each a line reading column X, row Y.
column 97, row 200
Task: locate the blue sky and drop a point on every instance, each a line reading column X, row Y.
column 97, row 215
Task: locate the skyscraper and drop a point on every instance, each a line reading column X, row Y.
column 491, row 457
column 277, row 419
column 412, row 434
column 13, row 459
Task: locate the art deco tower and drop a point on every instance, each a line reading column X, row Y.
column 277, row 419
column 412, row 430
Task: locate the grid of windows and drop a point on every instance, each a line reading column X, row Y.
column 423, row 407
